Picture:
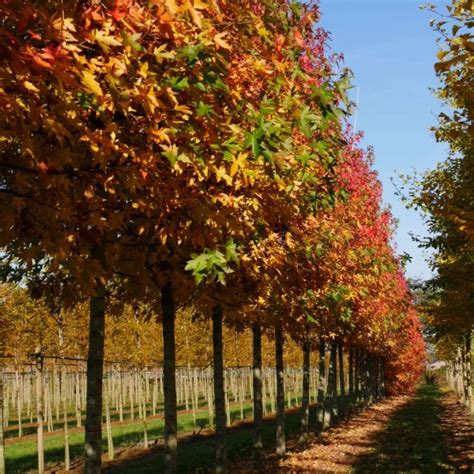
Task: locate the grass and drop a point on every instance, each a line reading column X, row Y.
column 22, row 456
column 200, row 452
column 12, row 430
column 412, row 440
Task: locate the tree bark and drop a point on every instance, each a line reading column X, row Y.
column 331, row 408
column 382, row 377
column 351, row 374
column 219, row 392
column 280, row 395
column 468, row 373
column 357, row 378
column 39, row 412
column 95, row 361
column 305, row 400
column 257, row 395
column 322, row 387
column 169, row 379
column 2, row 421
column 342, row 388
column 459, row 374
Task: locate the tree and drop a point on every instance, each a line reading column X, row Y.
column 445, row 195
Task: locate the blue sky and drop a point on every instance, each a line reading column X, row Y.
column 391, row 49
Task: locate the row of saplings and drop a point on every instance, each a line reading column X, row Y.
column 346, row 379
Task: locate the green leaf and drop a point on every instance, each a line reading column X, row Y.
column 179, row 83
column 204, row 110
column 132, row 41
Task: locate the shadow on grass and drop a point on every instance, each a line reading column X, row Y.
column 197, row 454
column 412, row 440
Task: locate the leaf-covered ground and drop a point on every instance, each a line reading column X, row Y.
column 426, row 432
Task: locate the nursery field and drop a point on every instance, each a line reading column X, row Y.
column 200, row 265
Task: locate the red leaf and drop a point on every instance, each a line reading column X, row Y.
column 299, row 39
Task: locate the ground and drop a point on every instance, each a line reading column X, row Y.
column 427, row 432
column 424, row 432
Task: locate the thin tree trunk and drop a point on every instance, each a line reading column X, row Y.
column 280, row 395
column 351, row 374
column 342, row 388
column 144, row 415
column 67, row 457
column 169, row 379
column 468, row 373
column 219, row 392
column 2, row 421
column 459, row 377
column 95, row 369
column 39, row 413
column 108, row 427
column 257, row 396
column 357, row 379
column 331, row 409
column 322, row 386
column 382, row 377
column 305, row 400
column 77, row 401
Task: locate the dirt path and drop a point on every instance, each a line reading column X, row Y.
column 458, row 433
column 340, row 447
column 428, row 432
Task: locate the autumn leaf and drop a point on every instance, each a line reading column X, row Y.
column 89, row 81
column 220, row 42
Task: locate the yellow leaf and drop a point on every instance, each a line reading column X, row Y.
column 184, row 109
column 171, row 7
column 31, row 87
column 160, row 134
column 91, row 84
column 161, row 54
column 105, row 40
column 441, row 54
column 200, row 5
column 144, row 69
column 220, row 42
column 239, row 162
column 195, row 15
column 221, row 174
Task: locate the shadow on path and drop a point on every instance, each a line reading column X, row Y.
column 412, row 440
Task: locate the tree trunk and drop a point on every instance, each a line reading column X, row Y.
column 169, row 379
column 342, row 388
column 257, row 395
column 382, row 377
column 351, row 374
column 219, row 392
column 468, row 373
column 322, row 386
column 67, row 457
column 280, row 392
column 331, row 409
column 95, row 362
column 459, row 375
column 108, row 427
column 39, row 413
column 357, row 375
column 305, row 400
column 2, row 421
